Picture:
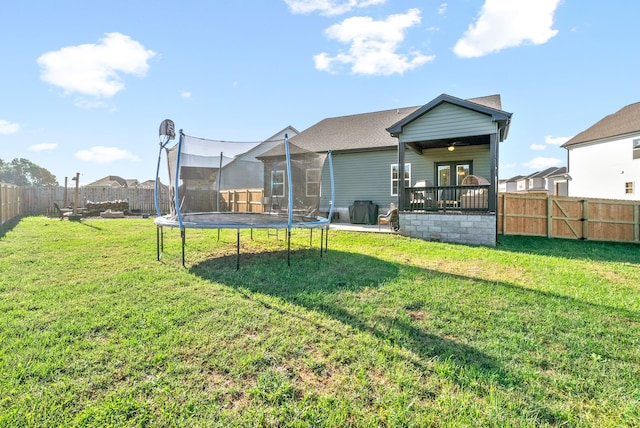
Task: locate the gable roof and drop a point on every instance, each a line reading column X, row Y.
column 551, row 171
column 370, row 131
column 353, row 132
column 109, row 181
column 490, row 105
column 624, row 121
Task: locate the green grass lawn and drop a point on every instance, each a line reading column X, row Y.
column 381, row 331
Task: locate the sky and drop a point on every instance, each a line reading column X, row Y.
column 84, row 85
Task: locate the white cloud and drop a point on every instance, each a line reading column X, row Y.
column 102, row 154
column 442, row 9
column 42, row 147
column 508, row 23
column 543, row 163
column 537, row 147
column 7, row 127
column 185, row 94
column 86, row 104
column 329, row 7
column 556, row 141
column 95, row 69
column 373, row 45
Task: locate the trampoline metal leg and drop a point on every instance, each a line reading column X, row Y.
column 289, row 247
column 158, row 242
column 238, row 251
column 326, row 241
column 182, row 235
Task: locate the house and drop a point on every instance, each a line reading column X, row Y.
column 509, row 185
column 542, row 181
column 434, row 146
column 236, row 173
column 604, row 159
column 114, row 181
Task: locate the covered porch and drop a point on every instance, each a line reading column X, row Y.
column 448, row 167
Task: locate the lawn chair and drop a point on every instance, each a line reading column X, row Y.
column 60, row 213
column 391, row 218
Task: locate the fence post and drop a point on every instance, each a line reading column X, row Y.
column 549, row 217
column 636, row 222
column 504, row 214
column 585, row 219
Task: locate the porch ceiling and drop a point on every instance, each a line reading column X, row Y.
column 473, row 140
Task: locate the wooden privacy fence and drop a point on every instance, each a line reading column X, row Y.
column 40, row 200
column 9, row 202
column 569, row 217
column 243, row 200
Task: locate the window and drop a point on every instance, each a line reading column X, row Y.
column 394, row 177
column 636, row 148
column 313, row 182
column 277, row 183
column 628, row 187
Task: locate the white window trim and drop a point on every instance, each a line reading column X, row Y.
column 317, row 171
column 274, row 182
column 407, row 168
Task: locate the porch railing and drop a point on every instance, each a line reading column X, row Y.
column 447, row 198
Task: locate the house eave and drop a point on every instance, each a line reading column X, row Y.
column 502, row 117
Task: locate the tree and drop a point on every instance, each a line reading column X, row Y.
column 23, row 172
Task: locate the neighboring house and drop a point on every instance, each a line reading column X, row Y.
column 245, row 170
column 437, row 145
column 604, row 159
column 541, row 181
column 509, row 185
column 558, row 183
column 114, row 181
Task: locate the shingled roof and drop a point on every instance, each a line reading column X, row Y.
column 354, row 132
column 364, row 131
column 624, row 121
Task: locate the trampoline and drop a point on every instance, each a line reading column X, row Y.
column 275, row 185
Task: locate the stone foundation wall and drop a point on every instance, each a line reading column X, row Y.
column 474, row 229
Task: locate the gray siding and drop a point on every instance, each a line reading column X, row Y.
column 367, row 175
column 448, row 121
column 478, row 154
column 361, row 176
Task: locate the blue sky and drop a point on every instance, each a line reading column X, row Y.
column 85, row 85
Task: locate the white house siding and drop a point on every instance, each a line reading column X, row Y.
column 448, row 121
column 601, row 169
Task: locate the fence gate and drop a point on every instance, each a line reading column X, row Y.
column 566, row 218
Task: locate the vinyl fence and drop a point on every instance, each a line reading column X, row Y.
column 569, row 217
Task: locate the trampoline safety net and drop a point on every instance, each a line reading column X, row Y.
column 277, row 185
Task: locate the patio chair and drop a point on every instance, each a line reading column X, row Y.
column 60, row 213
column 391, row 218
